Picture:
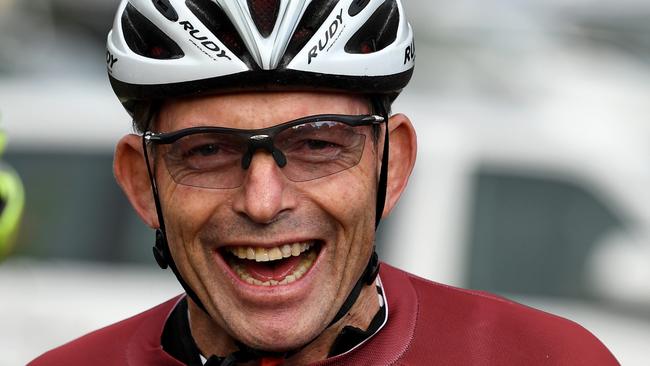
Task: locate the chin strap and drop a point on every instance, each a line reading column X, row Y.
column 161, row 250
column 162, row 254
column 372, row 268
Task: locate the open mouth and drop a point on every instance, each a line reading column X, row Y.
column 275, row 266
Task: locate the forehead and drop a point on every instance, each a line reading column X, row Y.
column 255, row 110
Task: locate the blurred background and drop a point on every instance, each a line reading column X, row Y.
column 532, row 179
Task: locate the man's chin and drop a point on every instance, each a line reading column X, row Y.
column 276, row 317
column 285, row 337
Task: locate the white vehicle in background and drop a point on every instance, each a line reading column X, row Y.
column 534, row 163
column 594, row 173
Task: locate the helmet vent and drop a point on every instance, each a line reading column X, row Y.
column 145, row 39
column 357, row 6
column 217, row 22
column 265, row 14
column 315, row 14
column 166, row 9
column 378, row 32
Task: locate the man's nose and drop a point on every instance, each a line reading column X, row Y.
column 264, row 194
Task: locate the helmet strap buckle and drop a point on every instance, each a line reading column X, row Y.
column 159, row 251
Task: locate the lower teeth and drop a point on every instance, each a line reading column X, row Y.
column 305, row 263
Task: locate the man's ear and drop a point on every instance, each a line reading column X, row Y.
column 131, row 174
column 402, row 154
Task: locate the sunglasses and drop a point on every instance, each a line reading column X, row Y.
column 305, row 149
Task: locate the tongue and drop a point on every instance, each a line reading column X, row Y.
column 274, row 270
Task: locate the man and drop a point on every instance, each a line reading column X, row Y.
column 264, row 138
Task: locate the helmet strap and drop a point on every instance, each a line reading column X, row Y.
column 161, row 251
column 383, row 174
column 372, row 268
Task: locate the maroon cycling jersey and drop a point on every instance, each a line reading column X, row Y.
column 428, row 324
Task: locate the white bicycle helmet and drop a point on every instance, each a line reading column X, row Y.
column 170, row 48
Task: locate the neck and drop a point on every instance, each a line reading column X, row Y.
column 213, row 340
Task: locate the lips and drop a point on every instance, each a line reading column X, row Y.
column 275, row 266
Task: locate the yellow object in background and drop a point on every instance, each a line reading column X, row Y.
column 12, row 202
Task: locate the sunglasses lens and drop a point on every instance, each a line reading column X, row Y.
column 318, row 149
column 208, row 160
column 217, row 159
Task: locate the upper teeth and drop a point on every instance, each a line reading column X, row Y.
column 260, row 254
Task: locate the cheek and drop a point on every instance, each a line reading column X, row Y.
column 345, row 196
column 348, row 197
column 186, row 210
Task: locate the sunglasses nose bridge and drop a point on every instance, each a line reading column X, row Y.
column 263, row 142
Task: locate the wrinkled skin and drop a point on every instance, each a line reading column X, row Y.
column 268, row 209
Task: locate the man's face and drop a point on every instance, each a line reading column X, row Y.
column 323, row 228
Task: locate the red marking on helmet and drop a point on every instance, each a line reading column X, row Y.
column 366, row 47
column 158, row 52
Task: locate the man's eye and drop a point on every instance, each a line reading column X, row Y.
column 203, row 150
column 319, row 144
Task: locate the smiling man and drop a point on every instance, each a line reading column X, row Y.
column 262, row 161
column 271, row 250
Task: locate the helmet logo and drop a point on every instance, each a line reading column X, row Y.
column 209, row 45
column 110, row 59
column 409, row 53
column 330, row 32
